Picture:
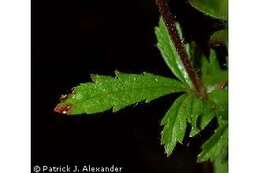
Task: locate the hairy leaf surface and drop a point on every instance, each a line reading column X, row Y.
column 169, row 52
column 175, row 124
column 118, row 92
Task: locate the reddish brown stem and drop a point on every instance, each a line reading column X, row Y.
column 170, row 22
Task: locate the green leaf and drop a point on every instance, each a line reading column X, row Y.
column 215, row 79
column 208, row 114
column 221, row 166
column 212, row 75
column 216, row 150
column 175, row 124
column 220, row 99
column 106, row 92
column 169, row 52
column 189, row 108
column 201, row 120
column 219, row 38
column 214, row 8
column 216, row 146
column 215, row 106
column 197, row 110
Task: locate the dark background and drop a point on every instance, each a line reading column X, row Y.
column 70, row 40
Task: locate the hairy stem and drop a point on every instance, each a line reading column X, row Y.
column 170, row 22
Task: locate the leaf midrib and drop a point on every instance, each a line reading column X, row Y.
column 139, row 88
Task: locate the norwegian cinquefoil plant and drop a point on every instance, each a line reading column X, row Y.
column 204, row 94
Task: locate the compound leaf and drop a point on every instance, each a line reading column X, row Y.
column 107, row 92
column 169, row 52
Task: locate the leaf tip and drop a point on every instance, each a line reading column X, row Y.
column 115, row 109
column 201, row 158
column 93, row 77
column 63, row 97
column 63, row 108
column 168, row 151
column 117, row 72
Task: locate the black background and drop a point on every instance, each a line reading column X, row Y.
column 70, row 40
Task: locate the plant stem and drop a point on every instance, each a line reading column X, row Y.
column 170, row 22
